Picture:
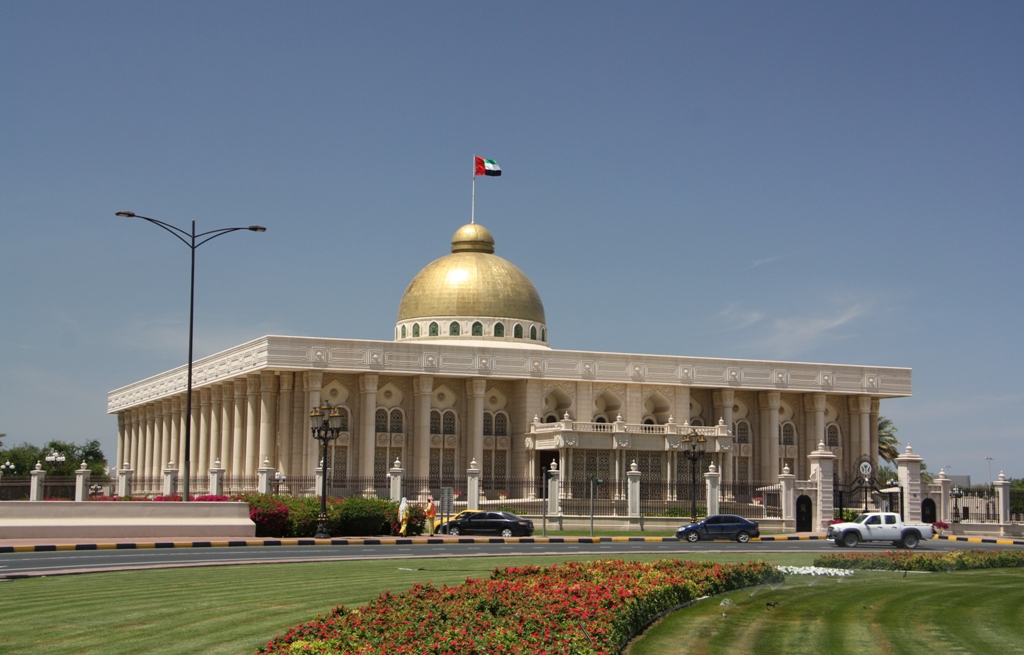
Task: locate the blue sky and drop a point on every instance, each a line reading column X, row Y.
column 837, row 182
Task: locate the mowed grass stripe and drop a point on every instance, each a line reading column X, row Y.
column 871, row 613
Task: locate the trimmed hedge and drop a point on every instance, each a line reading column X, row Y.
column 901, row 560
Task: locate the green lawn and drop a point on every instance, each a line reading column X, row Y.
column 235, row 609
column 971, row 612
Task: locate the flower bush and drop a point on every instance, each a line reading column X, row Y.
column 940, row 525
column 902, row 560
column 521, row 610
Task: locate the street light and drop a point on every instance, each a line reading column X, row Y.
column 190, row 240
column 956, row 494
column 7, row 468
column 594, row 481
column 55, row 458
column 325, row 429
column 694, row 445
column 989, row 460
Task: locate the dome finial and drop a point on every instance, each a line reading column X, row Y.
column 473, row 238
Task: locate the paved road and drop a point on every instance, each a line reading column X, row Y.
column 82, row 561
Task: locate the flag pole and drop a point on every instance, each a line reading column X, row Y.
column 472, row 211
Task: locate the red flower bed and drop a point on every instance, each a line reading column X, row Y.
column 559, row 609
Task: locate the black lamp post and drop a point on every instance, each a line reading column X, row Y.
column 193, row 241
column 7, row 468
column 594, row 482
column 694, row 445
column 325, row 428
column 956, row 494
column 548, row 474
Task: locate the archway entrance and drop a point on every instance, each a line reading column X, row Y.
column 804, row 511
column 928, row 514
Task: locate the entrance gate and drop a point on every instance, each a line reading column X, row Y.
column 804, row 511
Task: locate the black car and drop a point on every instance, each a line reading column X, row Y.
column 720, row 526
column 502, row 524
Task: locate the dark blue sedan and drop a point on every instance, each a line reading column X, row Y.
column 720, row 526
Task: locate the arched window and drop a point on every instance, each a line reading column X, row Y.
column 433, row 330
column 478, row 329
column 416, row 329
column 742, row 432
column 517, row 331
column 533, row 332
column 488, row 424
column 453, row 330
column 788, row 435
column 501, row 424
column 396, row 420
column 600, row 419
column 499, row 329
column 435, row 422
column 697, row 421
column 449, row 422
column 544, row 335
column 403, row 331
column 344, row 418
column 551, row 418
column 648, row 421
column 832, row 435
column 382, row 420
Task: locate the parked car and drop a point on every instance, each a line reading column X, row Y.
column 442, row 528
column 504, row 524
column 720, row 526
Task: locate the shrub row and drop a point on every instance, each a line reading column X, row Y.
column 564, row 608
column 901, row 560
column 291, row 516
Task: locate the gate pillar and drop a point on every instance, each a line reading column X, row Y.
column 909, row 467
column 822, row 468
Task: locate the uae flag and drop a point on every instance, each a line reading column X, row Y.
column 487, row 167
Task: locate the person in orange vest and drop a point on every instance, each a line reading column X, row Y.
column 431, row 513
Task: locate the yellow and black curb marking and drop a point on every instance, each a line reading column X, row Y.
column 983, row 540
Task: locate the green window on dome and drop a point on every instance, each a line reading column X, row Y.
column 517, row 331
column 544, row 335
column 416, row 329
column 453, row 330
column 533, row 333
column 478, row 329
column 403, row 331
column 433, row 329
column 499, row 329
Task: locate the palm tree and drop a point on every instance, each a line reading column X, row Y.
column 887, row 443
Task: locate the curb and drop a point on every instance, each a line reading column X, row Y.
column 982, row 540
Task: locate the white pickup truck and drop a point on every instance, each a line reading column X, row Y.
column 879, row 526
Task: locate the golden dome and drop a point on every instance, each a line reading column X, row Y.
column 472, row 282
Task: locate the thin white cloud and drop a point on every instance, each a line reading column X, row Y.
column 766, row 260
column 734, row 318
column 789, row 336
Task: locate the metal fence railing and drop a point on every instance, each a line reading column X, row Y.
column 977, row 504
column 15, row 488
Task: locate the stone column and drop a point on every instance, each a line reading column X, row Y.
column 945, row 510
column 268, row 421
column 633, row 490
column 1002, row 486
column 786, row 479
column 554, row 490
column 909, row 467
column 216, row 407
column 237, row 462
column 195, row 427
column 851, row 443
column 712, row 480
column 82, row 484
column 814, row 407
column 864, row 407
column 769, row 440
column 475, row 390
column 182, row 422
column 227, row 412
column 284, row 422
column 264, row 474
column 367, row 433
column 171, row 480
column 167, row 427
column 203, row 447
column 134, row 443
column 149, row 426
column 876, row 405
column 728, row 402
column 314, row 380
column 121, row 445
column 124, row 482
column 159, row 438
column 35, row 490
column 423, row 388
column 252, row 424
column 822, row 462
column 174, row 432
column 473, row 486
column 396, row 480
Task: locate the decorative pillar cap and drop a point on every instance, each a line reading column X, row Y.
column 170, row 464
column 618, row 419
column 1001, row 477
column 84, row 466
column 472, row 463
column 216, row 464
column 686, row 423
column 266, row 462
column 126, row 466
column 785, row 469
column 671, row 419
column 536, row 419
column 909, row 449
column 712, row 469
column 821, row 445
column 39, row 465
column 554, row 465
column 633, row 466
column 942, row 474
column 721, row 420
column 398, row 464
column 566, row 417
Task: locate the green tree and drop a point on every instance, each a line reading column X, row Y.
column 888, row 446
column 25, row 457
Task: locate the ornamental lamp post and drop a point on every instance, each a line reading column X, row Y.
column 325, row 428
column 7, row 468
column 956, row 494
column 55, row 459
column 192, row 240
column 694, row 445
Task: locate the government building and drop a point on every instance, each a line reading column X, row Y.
column 469, row 381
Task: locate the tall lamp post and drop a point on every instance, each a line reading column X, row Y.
column 193, row 241
column 956, row 494
column 55, row 459
column 325, row 428
column 694, row 445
